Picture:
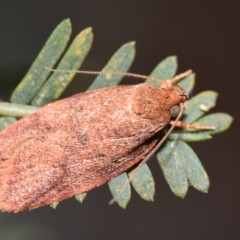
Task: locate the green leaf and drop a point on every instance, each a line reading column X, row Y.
column 143, row 182
column 80, row 197
column 72, row 60
column 179, row 164
column 54, row 205
column 170, row 161
column 199, row 105
column 165, row 70
column 187, row 83
column 221, row 122
column 49, row 55
column 193, row 168
column 120, row 189
column 15, row 109
column 6, row 122
column 121, row 61
column 190, row 136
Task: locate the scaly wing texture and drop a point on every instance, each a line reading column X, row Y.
column 72, row 146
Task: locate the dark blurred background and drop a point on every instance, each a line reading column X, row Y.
column 205, row 36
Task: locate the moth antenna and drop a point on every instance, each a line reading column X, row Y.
column 180, row 76
column 126, row 74
column 154, row 149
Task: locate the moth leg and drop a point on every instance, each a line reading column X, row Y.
column 184, row 125
column 181, row 76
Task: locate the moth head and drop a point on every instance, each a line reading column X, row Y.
column 176, row 93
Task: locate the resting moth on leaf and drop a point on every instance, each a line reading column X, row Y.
column 76, row 144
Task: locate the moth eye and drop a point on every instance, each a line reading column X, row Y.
column 175, row 111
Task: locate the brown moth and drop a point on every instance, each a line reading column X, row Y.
column 73, row 145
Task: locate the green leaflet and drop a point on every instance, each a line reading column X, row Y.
column 165, row 70
column 199, row 105
column 121, row 61
column 15, row 109
column 143, row 182
column 6, row 121
column 120, row 189
column 49, row 55
column 80, row 197
column 171, row 165
column 72, row 60
column 54, row 205
column 192, row 166
column 180, row 164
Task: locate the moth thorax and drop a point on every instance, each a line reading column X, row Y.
column 151, row 102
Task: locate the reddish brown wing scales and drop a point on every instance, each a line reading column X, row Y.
column 78, row 143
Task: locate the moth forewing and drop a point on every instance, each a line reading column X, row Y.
column 78, row 143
